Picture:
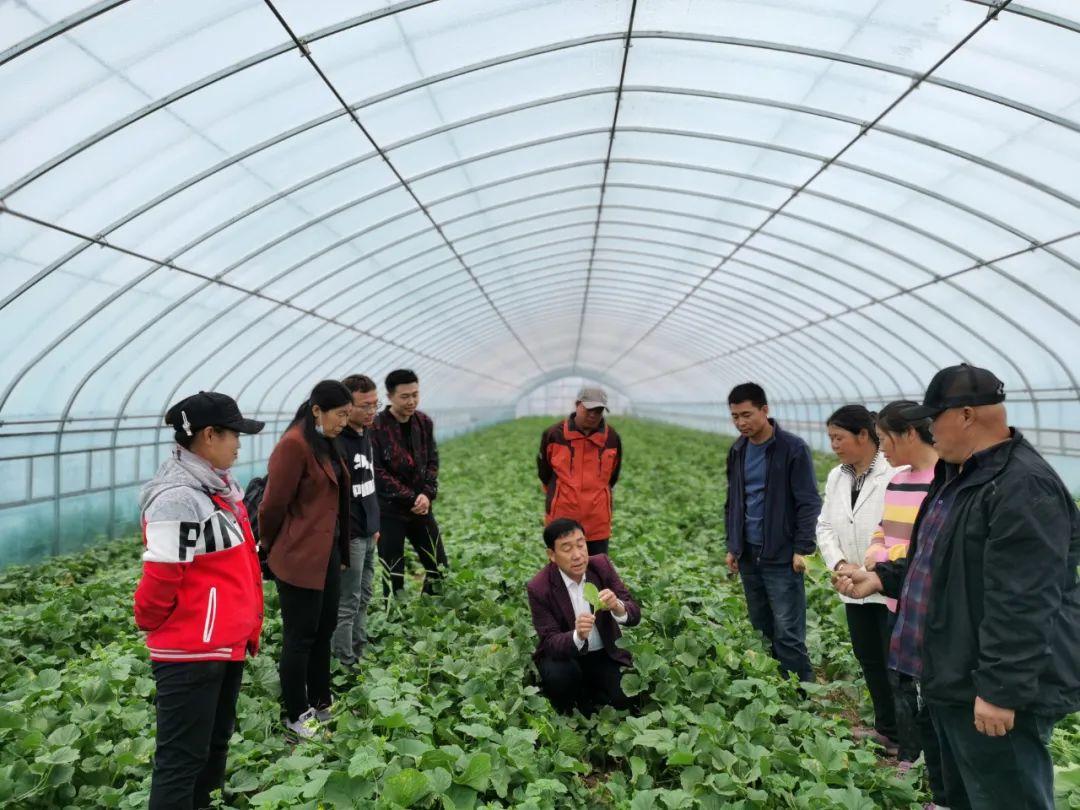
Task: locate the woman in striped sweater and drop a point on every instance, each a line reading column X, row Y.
column 909, row 446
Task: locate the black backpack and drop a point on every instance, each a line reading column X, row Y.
column 253, row 496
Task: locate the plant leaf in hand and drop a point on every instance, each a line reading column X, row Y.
column 592, row 596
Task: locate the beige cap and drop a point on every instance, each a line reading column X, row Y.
column 592, row 397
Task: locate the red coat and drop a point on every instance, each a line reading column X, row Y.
column 553, row 612
column 200, row 596
column 578, row 473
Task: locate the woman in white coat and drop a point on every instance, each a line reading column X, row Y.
column 852, row 509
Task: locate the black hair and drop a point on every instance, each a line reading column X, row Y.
column 751, row 392
column 359, row 383
column 328, row 394
column 560, row 527
column 400, row 376
column 855, row 419
column 185, row 441
column 892, row 419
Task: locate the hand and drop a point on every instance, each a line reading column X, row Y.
column 421, row 505
column 872, row 554
column 844, row 567
column 732, row 563
column 857, row 584
column 377, row 536
column 584, row 625
column 798, row 563
column 991, row 720
column 611, row 602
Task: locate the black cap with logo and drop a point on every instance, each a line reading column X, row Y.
column 209, row 409
column 957, row 387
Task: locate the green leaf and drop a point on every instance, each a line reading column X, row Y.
column 410, row 747
column 476, row 772
column 65, row 735
column 406, row 787
column 60, row 756
column 592, row 596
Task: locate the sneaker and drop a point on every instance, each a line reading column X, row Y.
column 323, row 715
column 305, row 726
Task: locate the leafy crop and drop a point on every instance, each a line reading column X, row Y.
column 446, row 712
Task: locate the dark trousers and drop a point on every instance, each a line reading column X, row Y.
column 870, row 627
column 776, row 602
column 584, row 683
column 308, row 619
column 598, row 546
column 196, row 712
column 1013, row 772
column 423, row 534
column 915, row 733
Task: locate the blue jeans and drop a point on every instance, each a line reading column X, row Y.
column 776, row 602
column 350, row 637
column 1013, row 772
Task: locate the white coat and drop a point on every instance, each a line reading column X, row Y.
column 845, row 533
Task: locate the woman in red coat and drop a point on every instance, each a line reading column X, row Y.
column 200, row 598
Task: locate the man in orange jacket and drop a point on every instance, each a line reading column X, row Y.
column 578, row 464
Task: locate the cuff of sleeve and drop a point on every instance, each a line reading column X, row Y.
column 621, row 619
column 990, row 689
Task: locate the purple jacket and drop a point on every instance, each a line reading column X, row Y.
column 553, row 614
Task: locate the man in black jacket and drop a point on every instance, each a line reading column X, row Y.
column 989, row 613
column 407, row 482
column 350, row 636
column 771, row 515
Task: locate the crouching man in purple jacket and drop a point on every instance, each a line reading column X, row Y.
column 579, row 664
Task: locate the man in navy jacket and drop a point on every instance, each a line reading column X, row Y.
column 579, row 664
column 770, row 515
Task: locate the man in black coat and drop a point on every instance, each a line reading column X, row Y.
column 989, row 613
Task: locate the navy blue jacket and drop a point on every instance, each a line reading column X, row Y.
column 792, row 502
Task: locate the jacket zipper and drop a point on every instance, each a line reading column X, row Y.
column 211, row 615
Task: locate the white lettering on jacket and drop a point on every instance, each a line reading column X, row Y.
column 178, row 541
column 366, row 487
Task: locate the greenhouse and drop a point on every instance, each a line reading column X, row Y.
column 529, row 204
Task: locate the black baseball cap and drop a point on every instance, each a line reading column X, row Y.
column 957, row 387
column 209, row 409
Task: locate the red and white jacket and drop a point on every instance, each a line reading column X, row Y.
column 200, row 597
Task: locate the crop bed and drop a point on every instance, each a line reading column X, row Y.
column 445, row 713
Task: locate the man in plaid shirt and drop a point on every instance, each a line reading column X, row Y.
column 989, row 612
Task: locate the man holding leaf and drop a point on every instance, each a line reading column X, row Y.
column 578, row 603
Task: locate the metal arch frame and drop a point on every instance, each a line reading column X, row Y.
column 876, row 213
column 704, row 324
column 482, row 118
column 427, row 335
column 1027, row 388
column 306, row 53
column 376, row 193
column 604, row 177
column 554, row 375
column 318, row 121
column 224, row 73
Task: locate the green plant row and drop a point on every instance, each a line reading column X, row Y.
column 446, row 713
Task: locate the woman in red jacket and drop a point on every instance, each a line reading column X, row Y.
column 200, row 598
column 303, row 524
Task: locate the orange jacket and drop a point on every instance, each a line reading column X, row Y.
column 578, row 472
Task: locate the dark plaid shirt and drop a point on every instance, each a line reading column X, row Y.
column 905, row 648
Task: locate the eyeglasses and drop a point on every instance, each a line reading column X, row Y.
column 369, row 408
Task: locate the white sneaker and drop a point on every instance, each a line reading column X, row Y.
column 323, row 715
column 305, row 726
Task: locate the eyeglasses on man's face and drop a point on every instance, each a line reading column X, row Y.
column 369, row 407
